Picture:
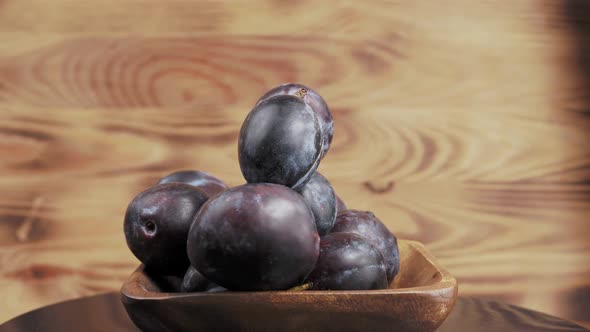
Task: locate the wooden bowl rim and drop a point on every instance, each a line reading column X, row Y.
column 133, row 288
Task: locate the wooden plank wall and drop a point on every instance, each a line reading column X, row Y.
column 462, row 124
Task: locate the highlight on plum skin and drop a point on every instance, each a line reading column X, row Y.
column 193, row 281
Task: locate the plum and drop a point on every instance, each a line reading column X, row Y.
column 320, row 197
column 315, row 101
column 348, row 261
column 254, row 237
column 157, row 222
column 202, row 180
column 194, row 281
column 365, row 223
column 280, row 142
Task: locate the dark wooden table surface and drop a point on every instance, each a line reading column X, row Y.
column 106, row 313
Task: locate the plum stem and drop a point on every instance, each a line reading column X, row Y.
column 300, row 288
column 301, row 93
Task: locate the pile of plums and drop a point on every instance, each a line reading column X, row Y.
column 284, row 229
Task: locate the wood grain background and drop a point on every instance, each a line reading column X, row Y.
column 462, row 124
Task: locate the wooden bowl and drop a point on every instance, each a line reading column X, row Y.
column 420, row 298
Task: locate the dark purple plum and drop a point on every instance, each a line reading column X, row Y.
column 320, row 198
column 340, row 206
column 348, row 261
column 202, row 180
column 167, row 283
column 194, row 281
column 315, row 101
column 365, row 223
column 254, row 237
column 280, row 142
column 156, row 226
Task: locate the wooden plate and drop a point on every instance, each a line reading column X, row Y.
column 420, row 298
